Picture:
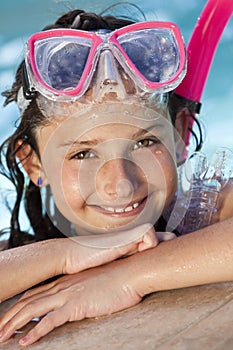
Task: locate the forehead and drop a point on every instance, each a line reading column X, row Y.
column 71, row 133
column 114, row 116
column 143, row 106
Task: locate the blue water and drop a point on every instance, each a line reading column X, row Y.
column 19, row 19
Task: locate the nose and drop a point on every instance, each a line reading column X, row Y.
column 108, row 78
column 118, row 179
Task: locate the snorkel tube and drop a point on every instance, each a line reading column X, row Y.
column 201, row 49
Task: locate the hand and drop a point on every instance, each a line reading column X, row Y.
column 99, row 291
column 67, row 255
column 96, row 292
column 84, row 252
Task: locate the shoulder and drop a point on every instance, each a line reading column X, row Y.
column 225, row 207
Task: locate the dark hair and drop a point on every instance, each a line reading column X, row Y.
column 41, row 224
column 177, row 104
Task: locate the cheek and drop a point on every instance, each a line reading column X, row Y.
column 69, row 185
column 64, row 183
column 169, row 169
column 163, row 172
column 158, row 167
column 67, row 195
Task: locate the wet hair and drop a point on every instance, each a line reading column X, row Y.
column 26, row 191
column 178, row 104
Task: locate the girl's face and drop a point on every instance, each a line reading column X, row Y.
column 109, row 169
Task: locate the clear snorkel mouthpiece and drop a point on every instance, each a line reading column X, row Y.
column 200, row 184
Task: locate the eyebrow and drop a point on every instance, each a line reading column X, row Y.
column 96, row 141
column 89, row 143
column 142, row 132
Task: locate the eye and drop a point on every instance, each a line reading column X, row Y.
column 145, row 143
column 83, row 155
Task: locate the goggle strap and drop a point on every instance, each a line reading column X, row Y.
column 178, row 101
column 28, row 93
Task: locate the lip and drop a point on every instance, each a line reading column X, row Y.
column 134, row 211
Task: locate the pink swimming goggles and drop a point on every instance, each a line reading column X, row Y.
column 60, row 63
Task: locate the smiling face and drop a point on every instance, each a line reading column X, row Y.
column 110, row 168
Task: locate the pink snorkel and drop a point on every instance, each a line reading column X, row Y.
column 201, row 49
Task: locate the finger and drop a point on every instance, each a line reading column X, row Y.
column 119, row 239
column 149, row 240
column 165, row 236
column 116, row 245
column 46, row 325
column 52, row 320
column 37, row 290
column 47, row 289
column 11, row 313
column 23, row 301
column 34, row 309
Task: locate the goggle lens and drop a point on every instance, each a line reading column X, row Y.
column 61, row 61
column 154, row 53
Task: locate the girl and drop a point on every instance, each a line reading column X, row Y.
column 97, row 131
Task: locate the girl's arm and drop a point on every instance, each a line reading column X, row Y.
column 26, row 266
column 23, row 267
column 202, row 257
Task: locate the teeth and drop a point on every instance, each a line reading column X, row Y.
column 119, row 210
column 128, row 209
column 110, row 209
column 122, row 210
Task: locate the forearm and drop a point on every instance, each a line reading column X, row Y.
column 23, row 267
column 202, row 257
